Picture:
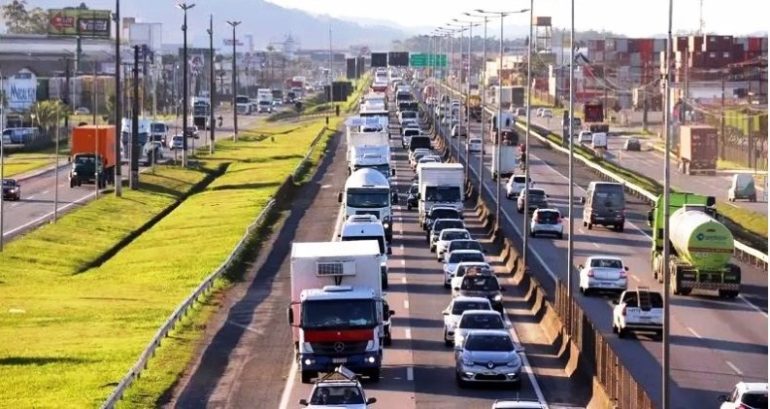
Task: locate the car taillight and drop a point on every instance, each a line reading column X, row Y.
column 623, row 274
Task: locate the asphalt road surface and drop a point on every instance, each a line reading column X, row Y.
column 38, row 194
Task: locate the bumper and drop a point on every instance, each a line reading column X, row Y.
column 538, row 229
column 481, row 374
column 643, row 326
column 324, row 363
column 710, row 286
column 615, row 285
column 607, row 221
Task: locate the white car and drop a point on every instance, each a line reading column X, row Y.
column 176, row 142
column 468, row 244
column 429, row 159
column 518, row 404
column 585, row 137
column 546, row 221
column 459, row 256
column 439, row 225
column 459, row 130
column 603, row 273
column 339, row 389
column 638, row 310
column 746, row 395
column 475, row 144
column 516, row 185
column 545, row 113
column 462, row 268
column 488, row 356
column 472, row 320
column 455, row 309
column 424, row 151
column 446, row 236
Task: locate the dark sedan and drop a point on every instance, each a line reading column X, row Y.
column 11, row 189
column 411, row 198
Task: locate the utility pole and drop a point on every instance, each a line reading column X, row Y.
column 604, row 77
column 234, row 24
column 2, row 160
column 666, row 367
column 212, row 85
column 571, row 190
column 526, row 137
column 185, row 63
column 722, row 123
column 483, row 109
column 117, row 106
column 133, row 180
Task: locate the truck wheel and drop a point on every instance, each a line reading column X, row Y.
column 590, row 226
column 384, row 283
column 72, row 183
column 307, row 376
column 388, row 340
column 621, row 332
column 619, row 228
column 728, row 294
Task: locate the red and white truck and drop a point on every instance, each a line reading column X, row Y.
column 336, row 307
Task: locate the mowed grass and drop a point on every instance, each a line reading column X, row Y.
column 751, row 221
column 23, row 162
column 74, row 335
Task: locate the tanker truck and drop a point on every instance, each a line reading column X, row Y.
column 700, row 246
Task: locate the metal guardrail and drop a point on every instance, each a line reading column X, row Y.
column 742, row 251
column 181, row 311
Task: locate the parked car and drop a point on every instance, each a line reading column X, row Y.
column 446, row 236
column 11, row 189
column 475, row 144
column 638, row 310
column 411, row 198
column 537, row 200
column 488, row 356
column 482, row 285
column 472, row 320
column 746, row 395
column 632, row 144
column 455, row 309
column 515, row 185
column 603, row 273
column 546, row 221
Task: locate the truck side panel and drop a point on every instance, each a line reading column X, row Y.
column 87, row 139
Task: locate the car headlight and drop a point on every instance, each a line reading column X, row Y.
column 467, row 361
column 498, row 298
column 514, row 364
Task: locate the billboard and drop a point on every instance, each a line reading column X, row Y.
column 379, row 60
column 360, row 66
column 21, row 90
column 79, row 22
column 398, row 59
column 351, row 68
column 149, row 34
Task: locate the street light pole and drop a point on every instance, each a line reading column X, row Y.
column 497, row 136
column 234, row 24
column 666, row 391
column 185, row 63
column 118, row 106
column 571, row 190
column 526, row 138
column 212, row 86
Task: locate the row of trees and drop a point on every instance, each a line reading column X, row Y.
column 19, row 19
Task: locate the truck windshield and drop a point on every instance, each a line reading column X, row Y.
column 368, row 198
column 382, row 168
column 264, row 102
column 378, row 239
column 338, row 314
column 242, row 100
column 442, row 194
column 200, row 110
column 158, row 128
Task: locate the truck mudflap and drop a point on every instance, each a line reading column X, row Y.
column 326, row 363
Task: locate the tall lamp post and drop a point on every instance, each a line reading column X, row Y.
column 470, row 24
column 482, row 85
column 184, row 7
column 457, row 28
column 118, row 103
column 234, row 24
column 666, row 391
column 212, row 86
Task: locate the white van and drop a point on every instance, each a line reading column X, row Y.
column 599, row 140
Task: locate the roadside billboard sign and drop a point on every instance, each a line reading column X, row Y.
column 79, row 22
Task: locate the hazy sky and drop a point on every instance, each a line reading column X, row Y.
column 629, row 17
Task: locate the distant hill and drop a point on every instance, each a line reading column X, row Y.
column 267, row 23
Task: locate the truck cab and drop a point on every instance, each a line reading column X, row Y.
column 243, row 105
column 440, row 184
column 367, row 191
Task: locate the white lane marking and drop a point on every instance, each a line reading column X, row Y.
column 409, row 373
column 47, row 215
column 525, row 362
column 326, row 186
column 595, row 245
column 403, row 280
column 403, row 262
column 45, row 192
column 406, row 304
column 750, row 304
column 692, row 331
column 734, row 368
column 636, row 279
column 289, row 385
column 407, row 333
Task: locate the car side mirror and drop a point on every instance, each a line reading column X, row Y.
column 371, row 401
column 445, row 312
column 391, row 313
column 580, row 267
column 582, row 200
column 303, row 402
column 625, row 268
column 390, row 250
column 339, row 197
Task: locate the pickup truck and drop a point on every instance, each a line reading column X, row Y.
column 638, row 310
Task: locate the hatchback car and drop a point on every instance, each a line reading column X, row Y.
column 632, row 144
column 445, row 237
column 11, row 189
column 472, row 320
column 603, row 273
column 481, row 285
column 515, row 185
column 488, row 356
column 537, row 200
column 459, row 256
column 546, row 221
column 475, row 144
column 438, row 226
column 639, row 310
column 456, row 309
column 746, row 395
column 473, row 267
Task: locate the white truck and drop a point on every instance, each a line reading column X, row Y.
column 336, row 307
column 367, row 227
column 440, row 184
column 369, row 150
column 367, row 191
column 264, row 100
column 508, row 163
column 243, row 105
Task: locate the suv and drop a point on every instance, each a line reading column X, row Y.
column 445, row 237
column 482, row 285
column 746, row 395
column 604, row 203
column 537, row 200
column 638, row 310
column 546, row 221
column 515, row 185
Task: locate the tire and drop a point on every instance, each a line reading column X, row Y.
column 460, row 382
column 72, row 183
column 432, row 249
column 620, row 228
column 307, row 376
column 447, row 286
column 590, row 226
column 532, row 234
column 561, row 236
column 408, row 207
column 384, row 283
column 728, row 294
column 447, row 342
column 509, row 197
column 622, row 333
column 614, row 329
column 388, row 340
column 584, row 223
column 519, row 209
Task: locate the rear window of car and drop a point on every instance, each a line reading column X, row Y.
column 461, row 306
column 448, row 224
column 464, row 245
column 445, row 214
column 480, row 283
column 606, row 263
column 411, row 132
column 519, row 179
column 755, row 400
column 482, row 321
column 454, row 235
column 547, row 217
column 536, row 193
column 460, row 257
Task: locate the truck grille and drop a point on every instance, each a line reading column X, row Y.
column 339, row 348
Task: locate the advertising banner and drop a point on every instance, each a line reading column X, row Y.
column 21, row 90
column 82, row 22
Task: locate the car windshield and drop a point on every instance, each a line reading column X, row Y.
column 378, row 239
column 454, row 235
column 755, row 400
column 486, row 342
column 368, row 199
column 419, row 142
column 9, row 183
column 470, row 256
column 547, row 217
column 482, row 321
column 606, row 263
column 443, row 194
column 338, row 314
column 461, row 306
column 411, row 132
column 480, row 283
column 337, row 395
column 158, row 127
column 464, row 245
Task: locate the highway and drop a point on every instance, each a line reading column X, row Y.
column 715, row 343
column 250, row 344
column 38, row 193
column 649, row 162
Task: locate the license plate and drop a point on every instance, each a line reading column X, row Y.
column 644, row 318
column 339, row 360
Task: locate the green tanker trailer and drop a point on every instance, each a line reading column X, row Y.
column 700, row 246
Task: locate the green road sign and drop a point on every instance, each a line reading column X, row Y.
column 427, row 60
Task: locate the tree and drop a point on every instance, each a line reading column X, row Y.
column 47, row 113
column 19, row 20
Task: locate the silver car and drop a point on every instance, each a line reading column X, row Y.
column 488, row 356
column 474, row 320
column 455, row 309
